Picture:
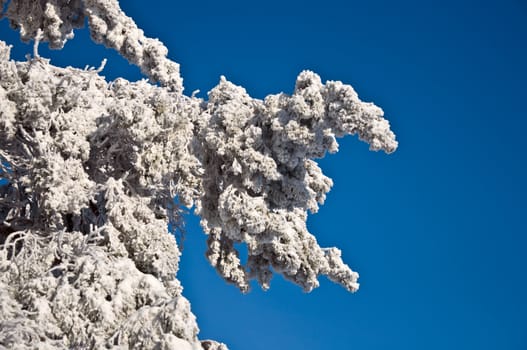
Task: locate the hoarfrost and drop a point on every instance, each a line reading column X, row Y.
column 86, row 259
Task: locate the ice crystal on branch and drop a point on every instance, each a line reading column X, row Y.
column 86, row 259
column 259, row 177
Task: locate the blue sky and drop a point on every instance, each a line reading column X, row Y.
column 437, row 230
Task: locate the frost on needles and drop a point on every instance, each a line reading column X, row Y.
column 86, row 258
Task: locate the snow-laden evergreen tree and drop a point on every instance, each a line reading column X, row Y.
column 91, row 169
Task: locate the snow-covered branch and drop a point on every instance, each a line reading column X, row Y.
column 86, row 259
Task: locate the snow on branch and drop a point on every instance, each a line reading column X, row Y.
column 56, row 20
column 92, row 168
column 260, row 178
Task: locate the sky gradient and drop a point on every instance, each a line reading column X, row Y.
column 436, row 230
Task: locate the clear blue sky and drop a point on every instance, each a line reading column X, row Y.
column 437, row 230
